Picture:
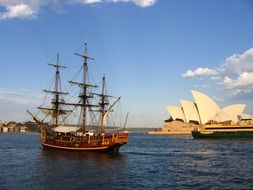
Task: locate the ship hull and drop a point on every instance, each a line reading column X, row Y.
column 94, row 143
column 219, row 135
column 107, row 149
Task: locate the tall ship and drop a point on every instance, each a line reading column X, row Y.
column 93, row 109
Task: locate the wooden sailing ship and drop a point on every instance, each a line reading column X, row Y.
column 86, row 135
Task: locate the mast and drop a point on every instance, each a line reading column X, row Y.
column 84, row 85
column 102, row 103
column 56, row 89
column 106, row 112
column 55, row 111
column 84, row 93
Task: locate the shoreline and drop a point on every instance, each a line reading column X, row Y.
column 168, row 133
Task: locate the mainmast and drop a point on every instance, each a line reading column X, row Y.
column 56, row 89
column 85, row 95
column 84, row 85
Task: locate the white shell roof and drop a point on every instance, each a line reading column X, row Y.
column 190, row 111
column 207, row 108
column 231, row 112
column 246, row 116
column 176, row 112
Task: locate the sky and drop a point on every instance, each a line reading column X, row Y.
column 153, row 52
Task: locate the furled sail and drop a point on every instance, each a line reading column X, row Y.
column 52, row 112
column 105, row 117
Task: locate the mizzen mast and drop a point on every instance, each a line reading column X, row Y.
column 104, row 103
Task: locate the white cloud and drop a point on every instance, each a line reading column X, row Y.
column 27, row 9
column 23, row 9
column 237, row 72
column 238, row 63
column 235, row 75
column 145, row 3
column 244, row 79
column 140, row 3
column 18, row 11
column 200, row 72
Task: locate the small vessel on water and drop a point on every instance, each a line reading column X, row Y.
column 90, row 133
column 219, row 131
column 223, row 131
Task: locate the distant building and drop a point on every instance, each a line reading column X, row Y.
column 23, row 129
column 12, row 126
column 4, row 129
column 3, row 126
column 204, row 111
column 189, row 115
column 16, row 129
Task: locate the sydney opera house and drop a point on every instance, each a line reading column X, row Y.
column 189, row 115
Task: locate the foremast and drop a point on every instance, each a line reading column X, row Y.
column 56, row 110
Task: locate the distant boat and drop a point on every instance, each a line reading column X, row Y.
column 90, row 134
column 243, row 128
column 223, row 131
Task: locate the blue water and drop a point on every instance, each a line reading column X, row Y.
column 146, row 162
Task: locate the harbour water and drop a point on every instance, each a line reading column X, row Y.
column 146, row 162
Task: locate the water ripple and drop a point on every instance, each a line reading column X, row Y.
column 146, row 162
